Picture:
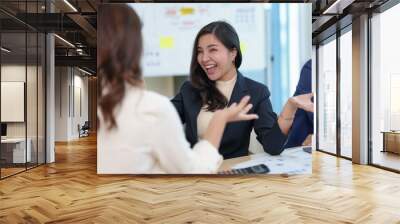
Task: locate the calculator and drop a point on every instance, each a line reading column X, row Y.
column 307, row 149
column 256, row 169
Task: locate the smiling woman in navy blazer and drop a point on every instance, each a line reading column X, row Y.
column 215, row 83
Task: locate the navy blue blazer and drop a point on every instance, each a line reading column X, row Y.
column 303, row 123
column 236, row 137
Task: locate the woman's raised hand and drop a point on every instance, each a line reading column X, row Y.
column 303, row 101
column 238, row 112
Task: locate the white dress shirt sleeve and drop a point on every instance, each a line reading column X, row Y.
column 173, row 150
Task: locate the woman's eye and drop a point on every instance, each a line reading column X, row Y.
column 213, row 50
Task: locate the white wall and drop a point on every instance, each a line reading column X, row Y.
column 80, row 104
column 33, row 126
column 61, row 103
column 71, row 94
column 17, row 73
column 162, row 85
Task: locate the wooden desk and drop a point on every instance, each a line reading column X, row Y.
column 391, row 141
column 13, row 150
column 291, row 161
column 230, row 163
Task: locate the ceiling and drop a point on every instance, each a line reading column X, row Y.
column 332, row 15
column 72, row 20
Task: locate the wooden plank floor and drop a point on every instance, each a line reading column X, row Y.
column 10, row 171
column 387, row 159
column 70, row 191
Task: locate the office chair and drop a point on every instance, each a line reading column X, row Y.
column 84, row 130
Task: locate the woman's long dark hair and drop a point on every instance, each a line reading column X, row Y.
column 209, row 93
column 118, row 58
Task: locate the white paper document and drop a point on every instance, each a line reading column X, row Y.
column 290, row 161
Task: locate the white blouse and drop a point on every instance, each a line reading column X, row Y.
column 204, row 117
column 149, row 139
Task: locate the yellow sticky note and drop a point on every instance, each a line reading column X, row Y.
column 243, row 47
column 186, row 11
column 166, row 42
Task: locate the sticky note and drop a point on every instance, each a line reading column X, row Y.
column 243, row 47
column 166, row 42
column 186, row 11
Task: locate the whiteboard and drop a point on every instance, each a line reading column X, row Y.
column 169, row 31
column 12, row 101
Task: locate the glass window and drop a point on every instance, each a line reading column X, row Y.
column 327, row 96
column 14, row 150
column 346, row 94
column 31, row 99
column 385, row 85
column 22, row 91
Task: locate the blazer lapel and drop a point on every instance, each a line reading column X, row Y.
column 239, row 90
column 195, row 106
